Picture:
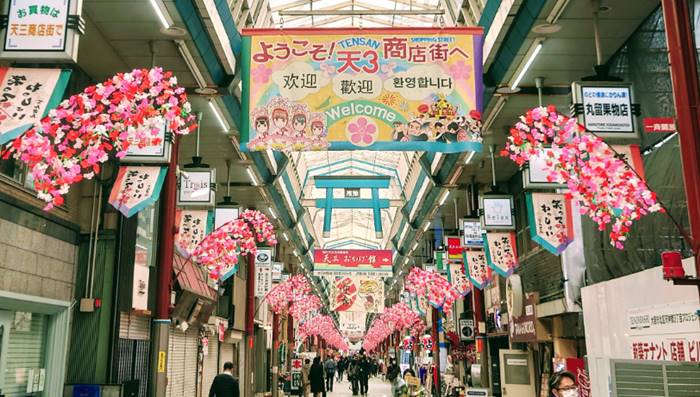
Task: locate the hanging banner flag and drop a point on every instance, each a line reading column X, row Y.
column 357, row 294
column 422, row 304
column 549, row 216
column 501, row 255
column 193, row 226
column 478, row 271
column 27, row 96
column 458, row 279
column 136, row 188
column 263, row 271
column 356, row 262
column 362, row 89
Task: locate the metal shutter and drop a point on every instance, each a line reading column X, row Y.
column 24, row 352
column 655, row 378
column 210, row 365
column 134, row 327
column 191, row 361
column 226, row 353
column 176, row 363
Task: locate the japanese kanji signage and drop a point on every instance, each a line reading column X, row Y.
column 454, row 248
column 606, row 108
column 497, row 212
column 263, row 271
column 357, row 262
column 477, row 270
column 458, row 278
column 192, row 227
column 26, row 96
column 370, row 89
column 357, row 294
column 549, row 216
column 501, row 255
column 136, row 188
column 665, row 333
column 659, row 124
column 472, row 233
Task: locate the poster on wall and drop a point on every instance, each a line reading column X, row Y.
column 477, row 269
column 458, row 278
column 193, row 226
column 500, row 252
column 368, row 89
column 136, row 188
column 376, row 263
column 357, row 294
column 27, row 96
column 549, row 217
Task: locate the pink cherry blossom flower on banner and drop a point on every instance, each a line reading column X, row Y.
column 261, row 74
column 362, row 131
column 460, row 71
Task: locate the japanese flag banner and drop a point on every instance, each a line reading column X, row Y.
column 478, row 271
column 549, row 216
column 136, row 188
column 193, row 225
column 26, row 96
column 501, row 255
column 458, row 279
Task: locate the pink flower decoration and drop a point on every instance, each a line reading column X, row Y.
column 460, row 71
column 362, row 131
column 261, row 74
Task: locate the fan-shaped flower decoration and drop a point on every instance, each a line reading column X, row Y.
column 220, row 249
column 324, row 327
column 293, row 295
column 605, row 188
column 85, row 130
column 398, row 317
column 434, row 287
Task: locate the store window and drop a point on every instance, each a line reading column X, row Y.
column 145, row 253
column 18, row 172
column 23, row 353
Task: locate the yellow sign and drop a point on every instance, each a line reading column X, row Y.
column 411, row 380
column 161, row 361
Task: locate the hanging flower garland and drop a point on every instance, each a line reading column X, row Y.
column 293, row 295
column 605, row 188
column 434, row 287
column 399, row 317
column 323, row 327
column 221, row 248
column 85, row 130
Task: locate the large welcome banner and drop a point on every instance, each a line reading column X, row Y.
column 371, row 89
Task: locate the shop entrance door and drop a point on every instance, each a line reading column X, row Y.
column 517, row 373
column 5, row 322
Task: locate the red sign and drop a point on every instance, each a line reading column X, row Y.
column 659, row 124
column 296, row 365
column 369, row 262
column 454, row 248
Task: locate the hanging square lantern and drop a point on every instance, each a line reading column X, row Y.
column 151, row 148
column 196, row 187
column 226, row 211
column 497, row 212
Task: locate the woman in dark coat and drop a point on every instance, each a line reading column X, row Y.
column 316, row 377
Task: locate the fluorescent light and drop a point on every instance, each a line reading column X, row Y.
column 470, row 156
column 219, row 118
column 426, row 227
column 405, row 262
column 286, row 237
column 191, row 64
column 415, row 245
column 252, row 177
column 161, row 15
column 296, row 253
column 445, row 194
column 272, row 212
column 500, row 104
column 527, row 65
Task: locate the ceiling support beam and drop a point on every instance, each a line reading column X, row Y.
column 360, row 12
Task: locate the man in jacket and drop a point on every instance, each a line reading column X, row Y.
column 306, row 386
column 329, row 366
column 225, row 385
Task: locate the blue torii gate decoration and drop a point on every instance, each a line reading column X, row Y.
column 349, row 182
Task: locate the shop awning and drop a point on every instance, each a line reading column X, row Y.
column 192, row 278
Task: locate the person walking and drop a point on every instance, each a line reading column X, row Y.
column 563, row 384
column 365, row 369
column 341, row 368
column 354, row 375
column 224, row 384
column 306, row 386
column 330, row 367
column 316, row 377
column 392, row 375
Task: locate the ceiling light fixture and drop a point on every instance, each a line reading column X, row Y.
column 286, row 237
column 215, row 108
column 191, row 64
column 161, row 15
column 444, row 197
column 251, row 175
column 296, row 253
column 500, row 104
column 470, row 156
column 530, row 56
column 426, row 226
column 272, row 212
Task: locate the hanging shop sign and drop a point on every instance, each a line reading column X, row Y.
column 497, row 212
column 632, row 155
column 26, row 97
column 196, row 188
column 549, row 216
column 136, row 188
column 139, row 290
column 458, row 278
column 263, row 271
column 471, row 229
column 525, row 327
column 152, row 147
column 42, row 29
column 368, row 89
column 536, row 172
column 225, row 214
column 193, row 226
column 605, row 108
column 659, row 124
column 466, row 329
column 454, row 248
column 357, row 294
column 501, row 255
column 440, row 262
column 477, row 269
column 277, row 268
column 358, row 262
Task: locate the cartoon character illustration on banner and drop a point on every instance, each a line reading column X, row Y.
column 281, row 124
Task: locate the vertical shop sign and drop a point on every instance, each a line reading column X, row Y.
column 472, row 233
column 263, row 271
column 475, row 264
column 454, row 248
column 26, row 96
column 549, row 216
column 501, row 255
column 192, row 228
column 458, row 279
column 523, row 328
column 136, row 188
column 139, row 291
column 370, row 89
